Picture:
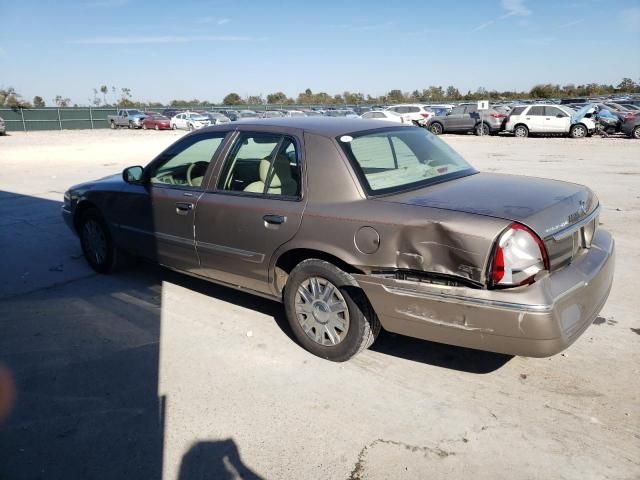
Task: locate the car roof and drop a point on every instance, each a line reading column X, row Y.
column 324, row 126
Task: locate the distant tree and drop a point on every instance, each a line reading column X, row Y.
column 38, row 102
column 12, row 99
column 395, row 96
column 96, row 100
column 232, row 99
column 452, row 93
column 627, row 85
column 255, row 100
column 61, row 101
column 275, row 98
column 104, row 89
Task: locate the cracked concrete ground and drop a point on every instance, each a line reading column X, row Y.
column 151, row 374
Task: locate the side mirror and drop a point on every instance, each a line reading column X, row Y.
column 448, row 113
column 132, row 174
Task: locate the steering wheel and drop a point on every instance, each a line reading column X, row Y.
column 202, row 168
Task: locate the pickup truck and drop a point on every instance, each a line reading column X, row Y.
column 131, row 118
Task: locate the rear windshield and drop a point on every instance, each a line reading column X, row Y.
column 396, row 159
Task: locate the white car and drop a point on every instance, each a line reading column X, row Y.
column 189, row 121
column 418, row 113
column 547, row 119
column 388, row 115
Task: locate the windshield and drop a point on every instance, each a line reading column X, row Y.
column 135, row 112
column 397, row 159
column 199, row 118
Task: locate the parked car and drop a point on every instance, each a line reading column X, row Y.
column 418, row 113
column 128, row 117
column 294, row 113
column 3, row 127
column 465, row 119
column 546, row 119
column 631, row 107
column 230, row 114
column 155, row 121
column 341, row 112
column 216, row 118
column 355, row 226
column 189, row 121
column 270, row 114
column 172, row 112
column 388, row 115
column 631, row 127
column 246, row 114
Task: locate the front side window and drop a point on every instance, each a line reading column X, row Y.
column 400, row 159
column 186, row 163
column 262, row 163
column 554, row 112
column 457, row 111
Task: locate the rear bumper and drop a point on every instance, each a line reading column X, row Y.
column 537, row 320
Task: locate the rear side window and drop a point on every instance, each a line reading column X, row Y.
column 398, row 159
column 517, row 110
column 539, row 110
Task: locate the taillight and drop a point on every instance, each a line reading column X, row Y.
column 518, row 256
column 498, row 115
column 425, row 115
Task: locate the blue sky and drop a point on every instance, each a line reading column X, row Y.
column 163, row 50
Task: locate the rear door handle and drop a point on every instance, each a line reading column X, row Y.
column 274, row 219
column 182, row 208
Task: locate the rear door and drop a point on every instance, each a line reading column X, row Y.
column 253, row 206
column 453, row 120
column 535, row 119
column 470, row 118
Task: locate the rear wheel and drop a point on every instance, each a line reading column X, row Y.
column 635, row 133
column 130, row 124
column 521, row 131
column 328, row 313
column 97, row 244
column 113, row 125
column 482, row 129
column 436, row 128
column 578, row 131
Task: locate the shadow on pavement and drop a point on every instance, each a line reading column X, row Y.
column 214, row 460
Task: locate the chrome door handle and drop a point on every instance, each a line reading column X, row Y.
column 183, row 208
column 274, row 219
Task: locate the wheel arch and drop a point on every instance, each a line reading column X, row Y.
column 82, row 207
column 287, row 260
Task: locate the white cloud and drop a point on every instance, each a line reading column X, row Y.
column 572, row 23
column 515, row 8
column 141, row 40
column 482, row 26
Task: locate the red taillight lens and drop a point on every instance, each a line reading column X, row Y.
column 498, row 115
column 425, row 115
column 519, row 255
column 498, row 266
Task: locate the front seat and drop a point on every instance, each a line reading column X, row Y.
column 282, row 183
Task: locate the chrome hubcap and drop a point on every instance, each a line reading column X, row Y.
column 322, row 311
column 94, row 241
column 579, row 132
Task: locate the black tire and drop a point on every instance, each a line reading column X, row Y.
column 482, row 129
column 191, row 127
column 578, row 131
column 635, row 133
column 364, row 325
column 156, row 127
column 174, row 127
column 113, row 125
column 436, row 128
column 114, row 259
column 521, row 131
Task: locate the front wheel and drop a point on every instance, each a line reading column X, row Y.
column 97, row 244
column 144, row 126
column 191, row 127
column 436, row 128
column 328, row 313
column 174, row 127
column 635, row 133
column 113, row 125
column 578, row 131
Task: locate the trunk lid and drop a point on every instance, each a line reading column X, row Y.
column 555, row 210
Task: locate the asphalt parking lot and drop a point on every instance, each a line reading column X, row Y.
column 152, row 374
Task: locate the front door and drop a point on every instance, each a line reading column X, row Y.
column 453, row 120
column 159, row 220
column 555, row 120
column 254, row 207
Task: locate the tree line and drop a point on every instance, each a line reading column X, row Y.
column 105, row 96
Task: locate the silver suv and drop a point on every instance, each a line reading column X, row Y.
column 465, row 119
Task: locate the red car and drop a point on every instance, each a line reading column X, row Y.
column 156, row 121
